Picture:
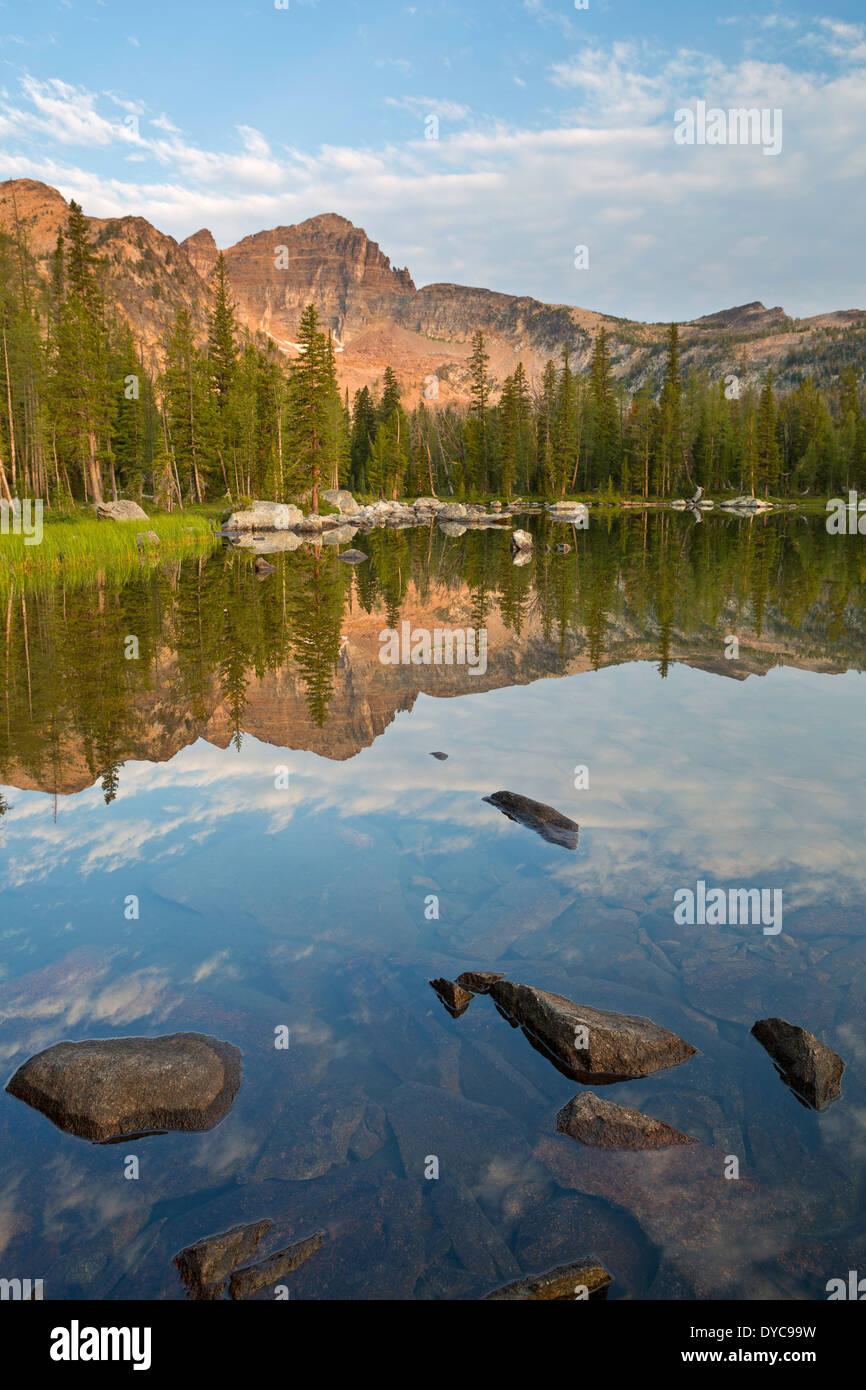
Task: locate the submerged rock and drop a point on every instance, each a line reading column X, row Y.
column 122, row 510
column 354, row 557
column 550, row 824
column 589, row 1044
column 441, row 757
column 604, row 1125
column 246, row 1282
column 479, row 981
column 811, row 1069
column 455, row 998
column 204, row 1267
column 110, row 1088
column 565, row 1284
column 262, row 568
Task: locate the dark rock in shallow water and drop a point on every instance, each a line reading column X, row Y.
column 453, row 996
column 263, row 568
column 550, row 824
column 249, row 1281
column 204, row 1267
column 565, row 1284
column 811, row 1069
column 109, row 1088
column 315, row 1131
column 605, row 1125
column 353, row 557
column 442, row 757
column 589, row 1045
column 479, row 981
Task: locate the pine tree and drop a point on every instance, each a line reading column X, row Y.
column 670, row 462
column 767, row 441
column 312, row 383
column 479, row 391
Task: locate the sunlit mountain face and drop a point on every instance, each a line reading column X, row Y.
column 240, row 832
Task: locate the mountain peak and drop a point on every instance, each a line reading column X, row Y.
column 749, row 316
column 202, row 251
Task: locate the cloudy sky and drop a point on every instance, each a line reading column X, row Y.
column 553, row 129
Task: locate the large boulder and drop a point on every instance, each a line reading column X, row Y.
column 265, row 516
column 313, row 524
column 521, row 540
column 589, row 1044
column 547, row 822
column 341, row 499
column 123, row 510
column 428, row 504
column 108, row 1088
column 453, row 511
column 808, row 1066
column 565, row 1284
column 604, row 1125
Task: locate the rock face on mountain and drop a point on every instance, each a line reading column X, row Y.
column 202, row 251
column 326, row 261
column 379, row 318
column 148, row 275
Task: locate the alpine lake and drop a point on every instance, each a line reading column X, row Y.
column 234, row 827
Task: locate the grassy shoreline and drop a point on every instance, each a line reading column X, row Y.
column 75, row 545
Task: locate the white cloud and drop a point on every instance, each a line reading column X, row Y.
column 673, row 231
column 431, row 106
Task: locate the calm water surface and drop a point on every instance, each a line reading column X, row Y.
column 263, row 785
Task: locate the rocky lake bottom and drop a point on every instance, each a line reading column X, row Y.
column 241, row 833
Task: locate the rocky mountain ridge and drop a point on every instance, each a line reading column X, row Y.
column 378, row 316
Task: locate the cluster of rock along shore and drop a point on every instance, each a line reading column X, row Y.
column 268, row 527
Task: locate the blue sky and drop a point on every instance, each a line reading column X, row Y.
column 555, row 129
